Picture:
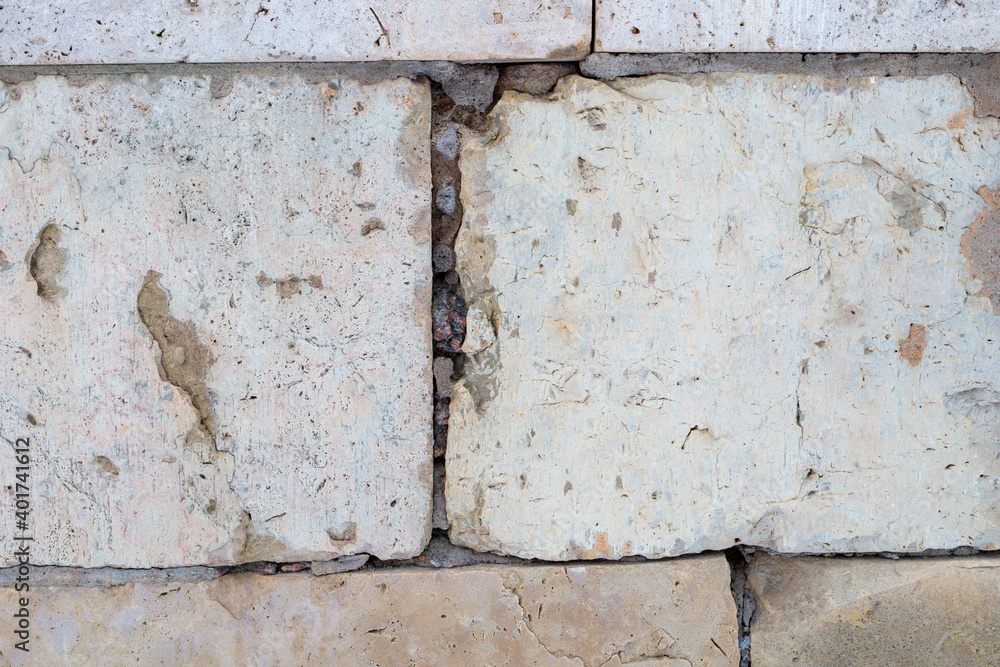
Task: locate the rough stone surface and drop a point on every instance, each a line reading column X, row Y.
column 166, row 31
column 687, row 298
column 216, row 318
column 672, row 614
column 936, row 612
column 846, row 26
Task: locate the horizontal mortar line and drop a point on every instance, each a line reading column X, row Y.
column 407, row 565
column 141, row 67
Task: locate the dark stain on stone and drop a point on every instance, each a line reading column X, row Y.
column 980, row 246
column 4, row 264
column 577, row 51
column 46, row 263
column 343, row 535
column 291, row 286
column 184, row 360
column 912, row 347
column 371, row 226
column 907, row 210
column 106, row 464
column 258, row 543
column 222, row 84
column 588, row 172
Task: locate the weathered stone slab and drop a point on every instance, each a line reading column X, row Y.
column 729, row 308
column 847, row 26
column 216, row 318
column 205, row 31
column 671, row 613
column 820, row 611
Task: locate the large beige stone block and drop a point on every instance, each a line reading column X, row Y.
column 938, row 612
column 216, row 318
column 211, row 31
column 672, row 614
column 844, row 26
column 729, row 309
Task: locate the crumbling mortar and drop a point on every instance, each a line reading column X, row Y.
column 455, row 117
column 441, row 554
column 746, row 601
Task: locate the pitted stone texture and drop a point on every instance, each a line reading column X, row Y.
column 209, row 31
column 265, row 397
column 673, row 614
column 824, row 612
column 847, row 26
column 691, row 320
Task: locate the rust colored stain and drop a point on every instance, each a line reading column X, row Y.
column 602, row 549
column 912, row 347
column 980, row 245
column 958, row 121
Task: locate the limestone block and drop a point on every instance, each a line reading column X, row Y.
column 728, row 309
column 819, row 611
column 846, row 26
column 673, row 614
column 211, row 31
column 216, row 318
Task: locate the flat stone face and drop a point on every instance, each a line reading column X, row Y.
column 729, row 309
column 847, row 26
column 166, row 31
column 216, row 318
column 672, row 614
column 934, row 611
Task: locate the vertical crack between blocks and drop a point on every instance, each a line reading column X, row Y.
column 746, row 601
column 593, row 27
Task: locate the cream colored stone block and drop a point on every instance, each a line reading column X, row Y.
column 845, row 26
column 212, row 31
column 871, row 611
column 216, row 318
column 729, row 309
column 670, row 613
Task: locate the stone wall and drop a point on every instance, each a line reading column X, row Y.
column 500, row 333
